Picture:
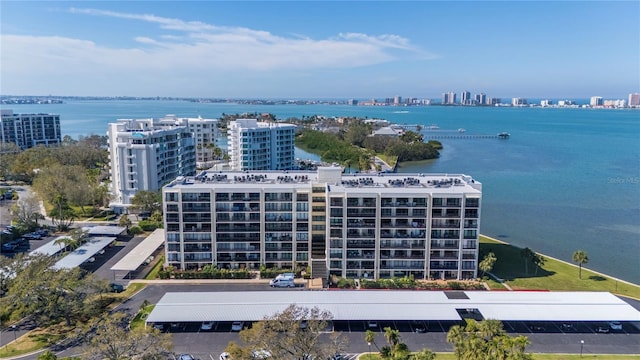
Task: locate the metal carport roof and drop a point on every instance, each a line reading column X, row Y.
column 140, row 253
column 102, row 230
column 50, row 248
column 553, row 306
column 394, row 305
column 83, row 253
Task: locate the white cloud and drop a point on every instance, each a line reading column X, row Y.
column 195, row 51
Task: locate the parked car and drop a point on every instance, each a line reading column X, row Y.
column 567, row 327
column 536, row 328
column 615, row 325
column 260, row 354
column 186, row 357
column 32, row 236
column 602, row 329
column 283, row 280
column 419, row 326
column 117, row 288
column 224, row 356
column 372, row 324
column 159, row 326
column 237, row 326
column 207, row 325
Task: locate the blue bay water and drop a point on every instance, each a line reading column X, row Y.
column 567, row 179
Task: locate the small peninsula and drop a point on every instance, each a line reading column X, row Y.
column 355, row 143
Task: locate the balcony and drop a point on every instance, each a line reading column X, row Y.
column 444, row 245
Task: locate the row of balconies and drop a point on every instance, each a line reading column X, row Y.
column 237, row 247
column 403, row 204
column 386, row 234
column 403, row 223
column 405, row 244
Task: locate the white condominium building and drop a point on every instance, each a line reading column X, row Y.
column 29, row 130
column 205, row 134
column 363, row 225
column 146, row 155
column 254, row 145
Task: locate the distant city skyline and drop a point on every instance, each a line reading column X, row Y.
column 310, row 49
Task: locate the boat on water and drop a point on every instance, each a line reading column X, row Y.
column 461, row 130
column 504, row 135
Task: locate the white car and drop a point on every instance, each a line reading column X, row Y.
column 372, row 324
column 207, row 325
column 224, row 356
column 237, row 326
column 615, row 325
column 260, row 354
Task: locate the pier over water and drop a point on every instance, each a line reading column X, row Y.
column 433, row 132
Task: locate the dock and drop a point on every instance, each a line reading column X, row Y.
column 435, row 136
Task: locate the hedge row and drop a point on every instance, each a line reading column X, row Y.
column 212, row 274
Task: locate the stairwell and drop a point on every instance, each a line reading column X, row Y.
column 319, row 269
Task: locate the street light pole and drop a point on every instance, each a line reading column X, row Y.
column 581, row 346
column 369, row 343
column 13, row 327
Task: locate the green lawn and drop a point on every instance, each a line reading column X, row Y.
column 553, row 275
column 138, row 320
column 450, row 356
column 153, row 274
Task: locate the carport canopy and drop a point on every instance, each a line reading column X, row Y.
column 83, row 253
column 396, row 305
column 102, row 230
column 50, row 248
column 132, row 260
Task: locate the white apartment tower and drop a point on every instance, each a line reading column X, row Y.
column 634, row 100
column 146, row 155
column 205, row 134
column 363, row 225
column 29, row 130
column 596, row 101
column 254, row 145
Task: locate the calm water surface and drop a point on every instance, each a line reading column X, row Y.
column 566, row 179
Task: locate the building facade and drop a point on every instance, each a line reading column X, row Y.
column 634, row 100
column 254, row 145
column 363, row 225
column 145, row 155
column 29, row 130
column 205, row 135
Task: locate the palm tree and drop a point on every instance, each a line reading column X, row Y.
column 370, row 338
column 580, row 257
column 392, row 336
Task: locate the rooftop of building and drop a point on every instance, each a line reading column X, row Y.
column 334, row 178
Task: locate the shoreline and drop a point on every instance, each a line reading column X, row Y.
column 566, row 262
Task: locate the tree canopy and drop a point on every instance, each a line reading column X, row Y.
column 580, row 257
column 353, row 146
column 488, row 338
column 109, row 338
column 294, row 333
column 44, row 294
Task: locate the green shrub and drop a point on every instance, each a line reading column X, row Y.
column 148, row 225
column 135, row 230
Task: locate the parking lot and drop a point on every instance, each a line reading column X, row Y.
column 420, row 326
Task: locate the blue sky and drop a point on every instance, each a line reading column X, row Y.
column 313, row 49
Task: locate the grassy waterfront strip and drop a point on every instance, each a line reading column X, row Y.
column 555, row 274
column 536, row 356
